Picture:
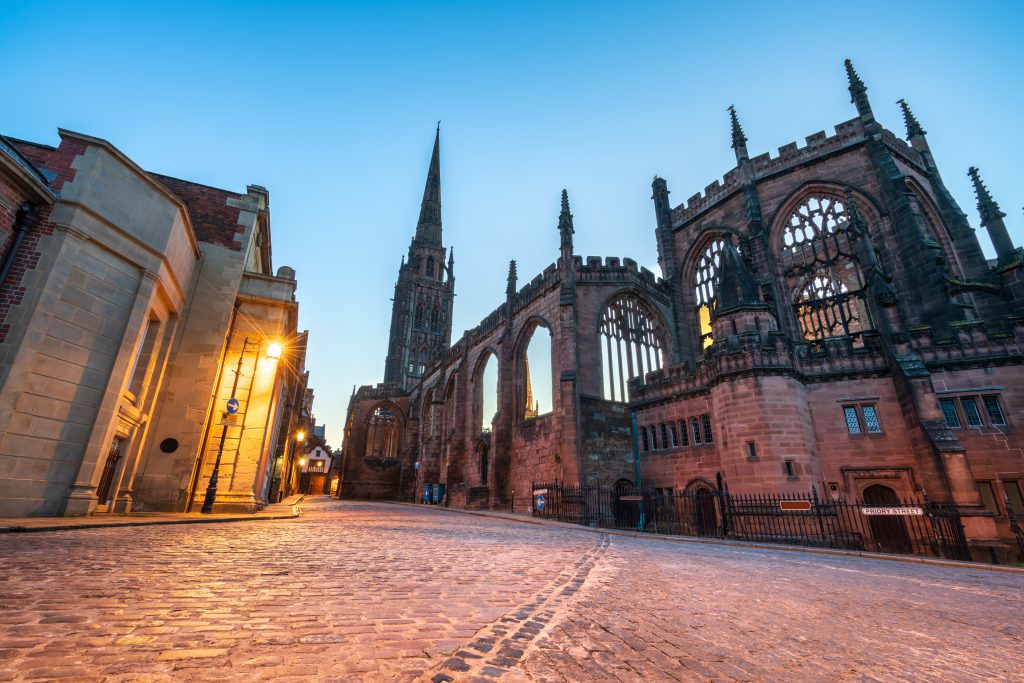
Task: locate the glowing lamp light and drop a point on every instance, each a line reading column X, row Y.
column 300, row 436
column 274, row 352
column 302, row 462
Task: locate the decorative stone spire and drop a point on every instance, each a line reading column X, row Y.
column 914, row 128
column 511, row 288
column 451, row 262
column 992, row 218
column 737, row 287
column 565, row 228
column 858, row 92
column 858, row 226
column 739, row 140
column 429, row 227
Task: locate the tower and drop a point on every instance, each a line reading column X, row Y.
column 421, row 312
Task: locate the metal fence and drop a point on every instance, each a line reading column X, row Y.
column 896, row 526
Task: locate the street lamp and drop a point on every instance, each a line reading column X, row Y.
column 274, row 352
column 211, row 487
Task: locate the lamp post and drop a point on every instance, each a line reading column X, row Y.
column 211, row 487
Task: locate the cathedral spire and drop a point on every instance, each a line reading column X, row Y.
column 992, row 218
column 739, row 140
column 914, row 128
column 565, row 228
column 429, row 227
column 451, row 262
column 858, row 92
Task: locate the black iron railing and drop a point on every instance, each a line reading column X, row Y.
column 895, row 526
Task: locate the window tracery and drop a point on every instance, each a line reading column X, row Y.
column 382, row 434
column 821, row 268
column 631, row 345
column 705, row 282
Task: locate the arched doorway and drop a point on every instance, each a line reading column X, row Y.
column 625, row 512
column 704, row 517
column 888, row 531
column 484, row 464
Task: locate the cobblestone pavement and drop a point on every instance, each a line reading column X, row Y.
column 361, row 591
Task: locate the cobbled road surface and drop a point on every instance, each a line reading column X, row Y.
column 362, row 591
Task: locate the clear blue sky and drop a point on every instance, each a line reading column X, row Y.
column 332, row 106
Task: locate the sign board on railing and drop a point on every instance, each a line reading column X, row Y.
column 904, row 511
column 801, row 505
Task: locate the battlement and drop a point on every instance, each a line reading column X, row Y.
column 369, row 392
column 790, row 154
column 614, row 269
column 972, row 342
column 764, row 354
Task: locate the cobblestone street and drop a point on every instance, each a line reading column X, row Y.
column 361, row 591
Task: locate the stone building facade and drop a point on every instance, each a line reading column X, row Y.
column 826, row 319
column 129, row 299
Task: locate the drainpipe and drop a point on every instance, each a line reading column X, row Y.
column 25, row 218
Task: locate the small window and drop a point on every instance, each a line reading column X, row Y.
column 948, row 406
column 654, row 437
column 684, row 435
column 790, row 472
column 695, row 430
column 643, row 439
column 852, row 421
column 970, row 407
column 871, row 419
column 706, row 423
column 988, row 496
column 1013, row 493
column 751, row 450
column 672, row 433
column 664, row 436
column 993, row 410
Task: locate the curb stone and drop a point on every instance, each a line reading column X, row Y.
column 512, row 517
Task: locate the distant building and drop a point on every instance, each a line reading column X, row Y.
column 135, row 306
column 826, row 319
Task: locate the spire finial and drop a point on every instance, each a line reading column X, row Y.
column 429, row 227
column 858, row 226
column 739, row 140
column 858, row 91
column 913, row 126
column 987, row 206
column 510, row 290
column 565, row 227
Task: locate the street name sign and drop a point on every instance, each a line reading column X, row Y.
column 903, row 511
column 800, row 505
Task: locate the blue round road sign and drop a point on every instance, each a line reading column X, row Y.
column 232, row 406
column 540, row 502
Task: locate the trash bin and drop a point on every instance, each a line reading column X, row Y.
column 438, row 493
column 428, row 493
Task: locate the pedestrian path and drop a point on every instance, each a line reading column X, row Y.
column 286, row 509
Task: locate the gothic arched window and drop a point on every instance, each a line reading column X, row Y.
column 632, row 344
column 382, row 433
column 435, row 318
column 418, row 320
column 705, row 281
column 534, row 393
column 430, row 266
column 487, row 391
column 822, row 271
